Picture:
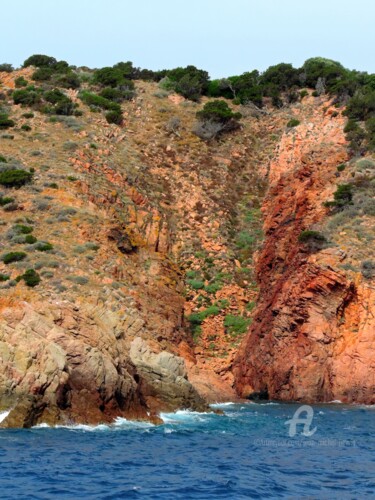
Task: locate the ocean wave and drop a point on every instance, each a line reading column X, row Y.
column 220, row 405
column 118, row 423
column 3, row 415
column 185, row 416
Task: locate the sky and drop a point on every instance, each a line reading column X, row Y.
column 222, row 37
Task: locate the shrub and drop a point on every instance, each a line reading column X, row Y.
column 293, row 123
column 196, row 284
column 196, row 319
column 5, row 200
column 190, row 82
column 13, row 257
column 173, row 125
column 20, row 82
column 22, row 229
column 15, row 178
column 26, row 128
column 114, row 117
column 343, row 195
column 43, row 246
column 40, row 61
column 5, row 121
column 236, row 324
column 215, row 118
column 30, row 239
column 4, row 277
column 42, row 74
column 98, row 101
column 79, row 280
column 68, row 80
column 27, row 97
column 303, row 94
column 7, row 68
column 218, row 111
column 109, row 77
column 368, row 269
column 341, row 167
column 28, row 115
column 118, row 95
column 3, row 159
column 31, row 278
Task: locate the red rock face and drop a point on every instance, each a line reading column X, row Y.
column 313, row 336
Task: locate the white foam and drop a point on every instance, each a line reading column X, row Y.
column 84, row 427
column 118, row 423
column 184, row 416
column 336, row 402
column 219, row 405
column 3, row 415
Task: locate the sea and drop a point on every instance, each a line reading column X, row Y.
column 237, row 451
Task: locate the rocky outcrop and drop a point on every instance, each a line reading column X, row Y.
column 313, row 336
column 60, row 363
column 163, row 378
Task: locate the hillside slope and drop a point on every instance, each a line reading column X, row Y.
column 149, row 245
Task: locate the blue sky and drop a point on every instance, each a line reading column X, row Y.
column 223, row 37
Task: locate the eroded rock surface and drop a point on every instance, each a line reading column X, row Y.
column 313, row 336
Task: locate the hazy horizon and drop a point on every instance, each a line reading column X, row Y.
column 223, row 39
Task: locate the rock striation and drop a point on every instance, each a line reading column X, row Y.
column 312, row 338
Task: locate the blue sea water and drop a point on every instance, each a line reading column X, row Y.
column 247, row 452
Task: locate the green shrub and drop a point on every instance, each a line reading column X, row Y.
column 26, row 128
column 13, row 257
column 5, row 200
column 22, row 229
column 293, row 123
column 190, row 82
column 5, row 121
column 20, row 82
column 42, row 74
column 109, row 77
column 15, row 178
column 31, row 278
column 341, row 167
column 101, row 102
column 27, row 97
column 4, row 277
column 196, row 284
column 3, row 159
column 114, row 117
column 198, row 318
column 303, row 94
column 30, row 239
column 236, row 324
column 43, row 246
column 68, row 80
column 218, row 111
column 6, row 67
column 214, row 287
column 118, row 95
column 39, row 60
column 342, row 196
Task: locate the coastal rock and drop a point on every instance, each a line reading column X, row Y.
column 313, row 335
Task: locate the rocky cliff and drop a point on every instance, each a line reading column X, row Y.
column 153, row 262
column 312, row 337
